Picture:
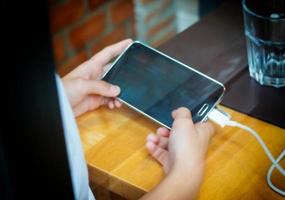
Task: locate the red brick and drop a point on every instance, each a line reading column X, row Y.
column 122, row 10
column 164, row 38
column 163, row 6
column 133, row 27
column 96, row 3
column 111, row 38
column 58, row 49
column 72, row 63
column 66, row 14
column 160, row 26
column 144, row 2
column 88, row 30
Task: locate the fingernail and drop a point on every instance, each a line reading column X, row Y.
column 115, row 89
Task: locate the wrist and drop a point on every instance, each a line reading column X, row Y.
column 193, row 169
column 185, row 180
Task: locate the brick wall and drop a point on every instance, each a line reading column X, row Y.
column 81, row 28
column 156, row 20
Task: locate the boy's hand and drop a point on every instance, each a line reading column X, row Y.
column 184, row 147
column 181, row 152
column 83, row 86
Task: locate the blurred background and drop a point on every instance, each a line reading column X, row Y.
column 80, row 28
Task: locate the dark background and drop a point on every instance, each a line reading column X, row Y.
column 33, row 162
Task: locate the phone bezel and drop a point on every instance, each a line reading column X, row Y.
column 161, row 53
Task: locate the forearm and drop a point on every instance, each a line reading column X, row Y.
column 178, row 185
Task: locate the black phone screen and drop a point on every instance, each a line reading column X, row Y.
column 156, row 84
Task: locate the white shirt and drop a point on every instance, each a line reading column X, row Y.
column 77, row 163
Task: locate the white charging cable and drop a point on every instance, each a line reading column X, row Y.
column 223, row 119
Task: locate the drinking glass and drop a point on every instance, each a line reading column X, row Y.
column 264, row 22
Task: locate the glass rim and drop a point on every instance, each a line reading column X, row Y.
column 245, row 8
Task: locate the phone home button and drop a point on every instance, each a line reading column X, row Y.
column 203, row 109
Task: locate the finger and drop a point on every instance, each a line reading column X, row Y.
column 159, row 140
column 100, row 74
column 163, row 132
column 111, row 104
column 104, row 100
column 100, row 88
column 152, row 138
column 182, row 112
column 163, row 142
column 107, row 67
column 90, row 102
column 163, row 136
column 160, row 154
column 118, row 104
column 107, row 100
column 110, row 52
column 182, row 120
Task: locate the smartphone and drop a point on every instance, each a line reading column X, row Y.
column 155, row 84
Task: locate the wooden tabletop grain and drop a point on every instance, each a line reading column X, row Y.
column 114, row 146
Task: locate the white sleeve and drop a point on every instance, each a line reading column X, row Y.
column 77, row 163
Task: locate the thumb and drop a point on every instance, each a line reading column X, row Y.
column 100, row 88
column 205, row 128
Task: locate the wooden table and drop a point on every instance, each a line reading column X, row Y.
column 114, row 146
column 114, row 140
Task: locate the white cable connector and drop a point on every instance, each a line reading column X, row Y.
column 219, row 117
column 223, row 119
